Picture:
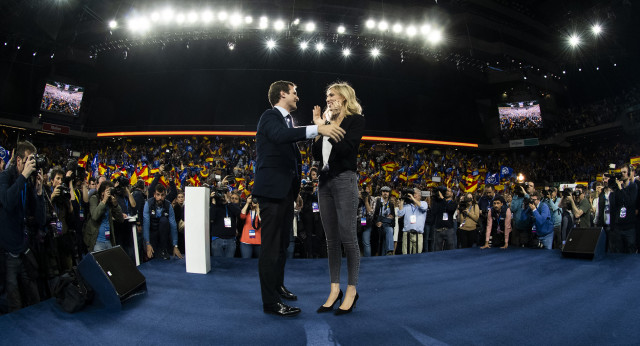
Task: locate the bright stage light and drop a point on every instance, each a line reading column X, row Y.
column 113, row 24
column 248, row 19
column 155, row 16
column 435, row 36
column 574, row 40
column 375, row 52
column 207, row 17
column 383, row 26
column 412, row 31
column 311, row 26
column 271, row 44
column 296, row 21
column 264, row 23
column 346, row 52
column 167, row 15
column 425, row 29
column 222, row 16
column 319, row 46
column 341, row 29
column 180, row 18
column 235, row 20
column 397, row 28
column 192, row 17
column 371, row 24
column 596, row 29
column 304, row 45
column 278, row 25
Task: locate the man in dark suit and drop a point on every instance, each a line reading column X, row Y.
column 276, row 186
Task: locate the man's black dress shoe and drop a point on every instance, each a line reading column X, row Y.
column 281, row 309
column 285, row 294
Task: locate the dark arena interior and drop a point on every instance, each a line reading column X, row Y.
column 497, row 100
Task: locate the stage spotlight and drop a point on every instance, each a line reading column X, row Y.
column 113, row 24
column 574, row 40
column 341, row 29
column 248, row 19
column 425, row 29
column 192, row 17
column 397, row 28
column 411, row 31
column 596, row 29
column 18, row 47
column 297, row 21
column 580, row 69
column 167, row 15
column 371, row 24
column 435, row 37
column 383, row 26
column 264, row 23
column 597, row 67
column 375, row 52
column 180, row 18
column 231, row 45
column 346, row 52
column 311, row 26
column 319, row 46
column 222, row 16
column 614, row 65
column 53, row 55
column 155, row 16
column 304, row 45
column 278, row 25
column 235, row 20
column 271, row 44
column 35, row 53
column 207, row 17
column 564, row 72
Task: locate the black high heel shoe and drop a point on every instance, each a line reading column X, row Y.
column 342, row 312
column 323, row 308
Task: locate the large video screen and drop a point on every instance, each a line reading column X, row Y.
column 61, row 98
column 520, row 115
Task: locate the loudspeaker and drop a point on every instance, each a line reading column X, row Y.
column 113, row 276
column 587, row 243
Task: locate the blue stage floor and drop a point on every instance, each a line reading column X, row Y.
column 460, row 297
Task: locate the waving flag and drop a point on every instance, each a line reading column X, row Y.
column 492, row 179
column 5, row 155
column 505, row 172
column 83, row 161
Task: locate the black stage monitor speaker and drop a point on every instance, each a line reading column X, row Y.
column 113, row 276
column 587, row 243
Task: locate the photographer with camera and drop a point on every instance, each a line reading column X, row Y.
column 443, row 209
column 160, row 231
column 624, row 211
column 22, row 213
column 250, row 238
column 128, row 204
column 581, row 210
column 485, row 203
column 603, row 212
column 164, row 170
column 498, row 225
column 312, row 235
column 366, row 206
column 223, row 220
column 104, row 209
column 385, row 217
column 62, row 222
column 415, row 213
column 551, row 199
column 468, row 219
column 523, row 220
column 543, row 225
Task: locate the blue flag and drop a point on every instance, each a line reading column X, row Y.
column 506, row 172
column 492, row 179
column 5, row 155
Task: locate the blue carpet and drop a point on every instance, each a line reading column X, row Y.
column 460, row 297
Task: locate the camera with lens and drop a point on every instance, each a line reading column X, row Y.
column 122, row 182
column 219, row 193
column 406, row 195
column 526, row 201
column 567, row 192
column 41, row 162
column 546, row 193
column 65, row 193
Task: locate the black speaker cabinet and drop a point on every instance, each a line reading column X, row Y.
column 113, row 276
column 587, row 243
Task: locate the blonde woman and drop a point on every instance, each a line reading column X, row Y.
column 338, row 190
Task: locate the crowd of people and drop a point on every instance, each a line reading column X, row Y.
column 412, row 199
column 526, row 117
column 55, row 99
column 574, row 118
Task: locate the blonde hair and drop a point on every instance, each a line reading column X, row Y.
column 351, row 105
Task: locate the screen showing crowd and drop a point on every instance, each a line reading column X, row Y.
column 61, row 98
column 520, row 115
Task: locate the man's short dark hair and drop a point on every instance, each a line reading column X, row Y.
column 105, row 184
column 161, row 189
column 535, row 193
column 313, row 169
column 276, row 88
column 92, row 180
column 23, row 147
column 57, row 170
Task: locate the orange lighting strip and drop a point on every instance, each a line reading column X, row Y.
column 253, row 133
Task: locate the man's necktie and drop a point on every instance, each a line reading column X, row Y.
column 289, row 121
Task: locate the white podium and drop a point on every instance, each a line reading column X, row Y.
column 196, row 230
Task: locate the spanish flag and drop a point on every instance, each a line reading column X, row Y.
column 372, row 165
column 83, row 161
